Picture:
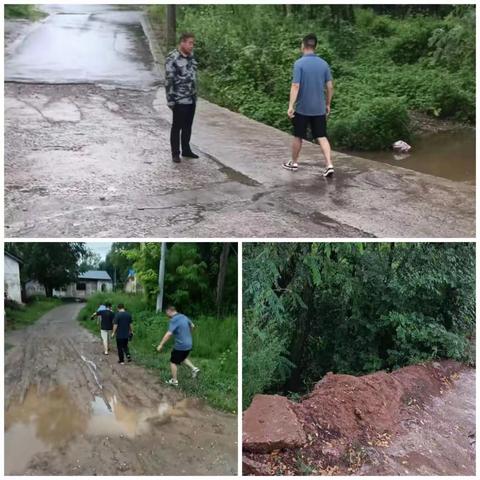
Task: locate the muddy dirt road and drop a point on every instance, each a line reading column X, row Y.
column 70, row 410
column 438, row 441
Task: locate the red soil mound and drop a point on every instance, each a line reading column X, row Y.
column 343, row 411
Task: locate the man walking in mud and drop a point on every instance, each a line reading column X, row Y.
column 308, row 106
column 106, row 317
column 181, row 90
column 122, row 329
column 180, row 327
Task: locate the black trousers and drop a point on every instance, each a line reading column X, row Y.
column 122, row 347
column 181, row 127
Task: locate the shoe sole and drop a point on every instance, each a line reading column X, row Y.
column 329, row 174
column 290, row 169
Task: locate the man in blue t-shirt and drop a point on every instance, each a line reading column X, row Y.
column 309, row 107
column 180, row 327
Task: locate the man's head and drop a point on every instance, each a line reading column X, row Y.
column 170, row 311
column 309, row 43
column 108, row 305
column 120, row 307
column 187, row 42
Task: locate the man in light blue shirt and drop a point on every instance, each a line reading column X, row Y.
column 180, row 327
column 309, row 106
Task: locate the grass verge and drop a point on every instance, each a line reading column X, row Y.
column 20, row 316
column 30, row 12
column 214, row 349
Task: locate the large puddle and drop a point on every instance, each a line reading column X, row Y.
column 444, row 154
column 49, row 421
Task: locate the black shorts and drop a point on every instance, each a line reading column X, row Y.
column 317, row 123
column 178, row 356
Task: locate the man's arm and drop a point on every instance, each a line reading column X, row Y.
column 170, row 81
column 114, row 329
column 165, row 339
column 329, row 87
column 191, row 325
column 293, row 99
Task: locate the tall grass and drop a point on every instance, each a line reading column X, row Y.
column 214, row 349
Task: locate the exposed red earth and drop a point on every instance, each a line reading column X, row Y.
column 403, row 422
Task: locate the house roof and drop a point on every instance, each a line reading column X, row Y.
column 95, row 275
column 13, row 257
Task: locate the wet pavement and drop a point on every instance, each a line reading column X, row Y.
column 84, row 44
column 94, row 160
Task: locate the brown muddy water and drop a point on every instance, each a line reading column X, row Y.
column 449, row 154
column 51, row 420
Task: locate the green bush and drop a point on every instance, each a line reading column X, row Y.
column 375, row 125
column 412, row 40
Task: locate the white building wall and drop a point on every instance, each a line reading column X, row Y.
column 34, row 288
column 91, row 287
column 13, row 289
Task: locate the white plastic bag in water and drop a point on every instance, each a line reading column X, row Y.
column 401, row 146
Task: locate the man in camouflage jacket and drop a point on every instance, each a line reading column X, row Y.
column 181, row 90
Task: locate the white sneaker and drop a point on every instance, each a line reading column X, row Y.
column 172, row 382
column 195, row 372
column 292, row 166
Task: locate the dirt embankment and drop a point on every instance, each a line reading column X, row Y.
column 70, row 410
column 380, row 424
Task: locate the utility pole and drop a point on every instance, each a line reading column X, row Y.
column 222, row 273
column 161, row 277
column 171, row 25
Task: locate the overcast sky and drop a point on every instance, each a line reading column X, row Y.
column 102, row 248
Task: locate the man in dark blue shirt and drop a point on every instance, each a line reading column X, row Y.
column 122, row 329
column 180, row 327
column 308, row 105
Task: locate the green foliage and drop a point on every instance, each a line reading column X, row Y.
column 386, row 61
column 19, row 316
column 411, row 41
column 376, row 124
column 352, row 308
column 455, row 35
column 191, row 273
column 214, row 348
column 22, row 11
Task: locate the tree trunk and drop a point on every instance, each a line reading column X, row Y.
column 222, row 273
column 161, row 277
column 49, row 292
column 171, row 25
column 297, row 347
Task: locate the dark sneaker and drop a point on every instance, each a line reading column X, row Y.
column 328, row 171
column 293, row 167
column 176, row 159
column 121, row 363
column 190, row 155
